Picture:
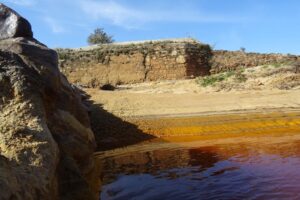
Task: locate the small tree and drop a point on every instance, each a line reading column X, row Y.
column 243, row 49
column 100, row 37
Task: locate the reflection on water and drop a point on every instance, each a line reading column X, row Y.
column 248, row 167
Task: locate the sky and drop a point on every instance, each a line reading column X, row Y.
column 266, row 26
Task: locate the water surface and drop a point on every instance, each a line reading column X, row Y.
column 260, row 166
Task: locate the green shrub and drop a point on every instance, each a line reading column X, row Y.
column 265, row 66
column 100, row 37
column 277, row 65
column 62, row 55
column 240, row 77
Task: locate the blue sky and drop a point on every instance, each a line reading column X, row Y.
column 257, row 25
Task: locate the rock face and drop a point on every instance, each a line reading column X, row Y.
column 12, row 24
column 46, row 143
column 125, row 63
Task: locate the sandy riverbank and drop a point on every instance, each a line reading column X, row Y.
column 252, row 89
column 172, row 100
column 135, row 113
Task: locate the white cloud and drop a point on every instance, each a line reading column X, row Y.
column 55, row 26
column 23, row 2
column 114, row 12
column 132, row 18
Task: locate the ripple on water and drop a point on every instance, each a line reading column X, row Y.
column 260, row 167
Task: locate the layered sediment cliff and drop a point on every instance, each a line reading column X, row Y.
column 124, row 63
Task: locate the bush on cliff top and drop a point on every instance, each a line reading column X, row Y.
column 100, row 37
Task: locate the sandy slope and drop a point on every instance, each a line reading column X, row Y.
column 131, row 103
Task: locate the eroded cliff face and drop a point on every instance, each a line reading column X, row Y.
column 46, row 143
column 138, row 62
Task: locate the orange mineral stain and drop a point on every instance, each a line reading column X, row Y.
column 221, row 125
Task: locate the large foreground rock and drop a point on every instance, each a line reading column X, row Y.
column 12, row 24
column 46, row 144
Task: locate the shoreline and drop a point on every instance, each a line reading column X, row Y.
column 212, row 126
column 145, row 111
column 286, row 110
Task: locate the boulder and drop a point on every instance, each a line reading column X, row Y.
column 46, row 142
column 12, row 24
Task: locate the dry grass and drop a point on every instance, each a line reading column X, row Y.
column 255, row 78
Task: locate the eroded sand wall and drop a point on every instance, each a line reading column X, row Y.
column 125, row 63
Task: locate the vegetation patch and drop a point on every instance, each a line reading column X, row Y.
column 240, row 77
column 213, row 79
